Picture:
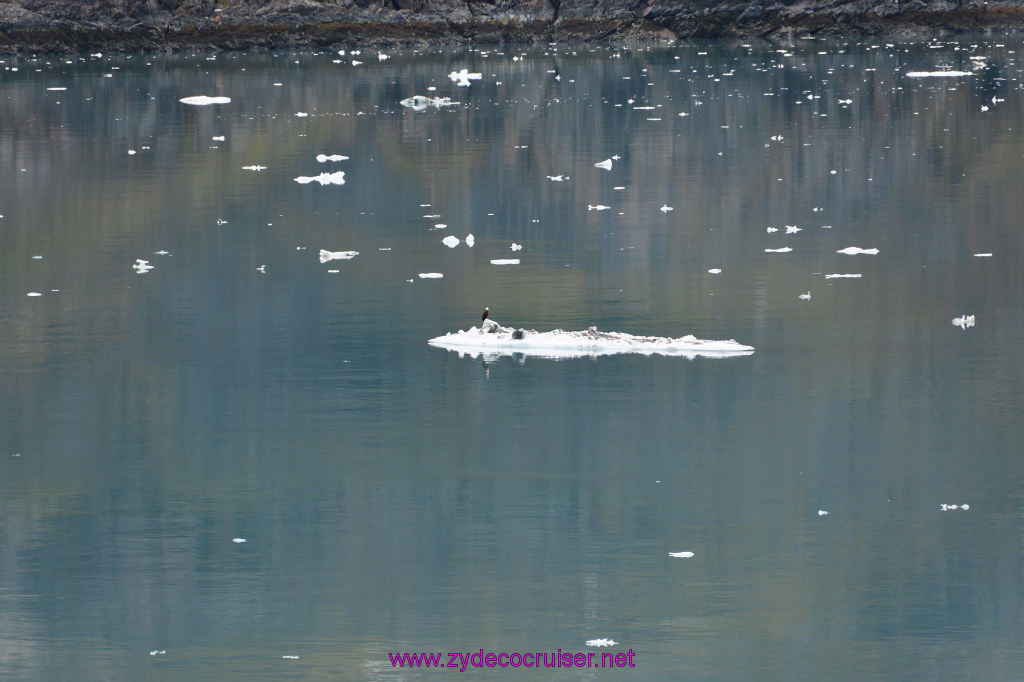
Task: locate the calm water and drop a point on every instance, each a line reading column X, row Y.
column 395, row 497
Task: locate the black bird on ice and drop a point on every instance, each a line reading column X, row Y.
column 484, row 316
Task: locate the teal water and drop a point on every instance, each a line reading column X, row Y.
column 396, row 497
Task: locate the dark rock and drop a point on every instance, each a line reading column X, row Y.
column 131, row 25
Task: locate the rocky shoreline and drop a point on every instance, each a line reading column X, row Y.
column 57, row 26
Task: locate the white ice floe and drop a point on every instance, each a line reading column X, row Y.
column 326, row 255
column 324, row 158
column 597, row 207
column 463, row 77
column 601, row 642
column 291, row 658
column 854, row 250
column 256, row 168
column 141, row 266
column 557, row 178
column 666, row 208
column 504, row 261
column 715, row 271
column 964, row 321
column 218, row 138
column 822, row 512
column 203, row 100
column 493, row 339
column 953, row 507
column 784, row 249
column 938, row 74
column 238, row 541
column 843, row 275
column 336, row 178
column 451, row 241
column 606, row 164
column 470, row 240
column 983, row 255
column 805, row 297
column 431, row 275
column 516, row 247
column 33, row 294
column 421, row 103
column 681, row 555
column 792, row 229
column 301, row 114
column 56, row 89
column 158, row 652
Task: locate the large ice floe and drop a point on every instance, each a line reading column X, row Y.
column 491, row 340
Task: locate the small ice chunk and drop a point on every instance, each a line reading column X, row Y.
column 964, row 321
column 451, row 241
column 556, row 178
column 56, row 89
column 842, row 275
column 33, row 293
column 805, row 297
column 262, row 268
column 715, row 271
column 291, row 658
column 254, row 168
column 141, row 266
column 380, row 57
column 784, row 249
column 771, row 229
column 983, row 255
column 666, row 208
column 326, row 255
column 470, row 240
column 463, row 77
column 431, row 275
column 203, row 100
column 218, row 138
column 822, row 512
column 516, row 247
column 854, row 250
column 938, row 74
column 324, row 158
column 132, row 152
column 505, row 261
column 606, row 164
column 597, row 207
column 336, row 178
column 238, row 541
column 792, row 229
column 158, row 652
column 301, row 114
column 601, row 642
column 681, row 555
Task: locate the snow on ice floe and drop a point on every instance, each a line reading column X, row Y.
column 431, row 275
column 681, row 555
column 451, row 241
column 854, row 250
column 606, row 164
column 494, row 340
column 964, row 321
column 504, row 261
column 601, row 642
column 422, row 103
column 324, row 158
column 326, row 255
column 938, row 74
column 204, row 100
column 336, row 178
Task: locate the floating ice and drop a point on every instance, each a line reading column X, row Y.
column 953, row 507
column 505, row 261
column 597, row 207
column 254, row 168
column 158, row 652
column 556, row 178
column 666, row 208
column 451, row 241
column 681, row 555
column 516, row 247
column 792, row 229
column 336, row 178
column 492, row 338
column 938, row 74
column 132, row 152
column 431, row 275
column 606, row 164
column 822, row 512
column 805, row 297
column 854, row 250
column 56, row 89
column 840, row 276
column 470, row 240
column 238, row 540
column 326, row 255
column 421, row 103
column 33, row 293
column 263, row 269
column 771, row 229
column 784, row 249
column 601, row 642
column 301, row 114
column 715, row 271
column 983, row 255
column 324, row 158
column 142, row 266
column 964, row 321
column 292, row 658
column 203, row 100
column 218, row 138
